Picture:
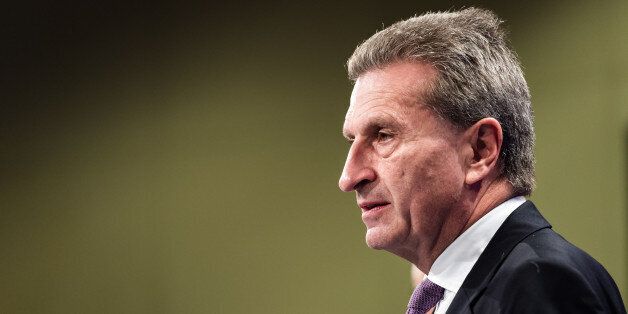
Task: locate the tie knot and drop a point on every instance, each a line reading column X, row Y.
column 425, row 297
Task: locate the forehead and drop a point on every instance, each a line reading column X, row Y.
column 410, row 78
column 388, row 94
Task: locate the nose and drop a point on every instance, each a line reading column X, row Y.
column 357, row 170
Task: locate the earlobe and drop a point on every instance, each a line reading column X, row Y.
column 485, row 139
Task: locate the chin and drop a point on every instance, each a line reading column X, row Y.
column 379, row 239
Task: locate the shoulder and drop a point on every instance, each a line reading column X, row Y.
column 545, row 273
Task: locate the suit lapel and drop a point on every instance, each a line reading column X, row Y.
column 525, row 220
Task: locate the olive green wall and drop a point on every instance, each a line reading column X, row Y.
column 180, row 158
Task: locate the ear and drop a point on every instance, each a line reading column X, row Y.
column 485, row 140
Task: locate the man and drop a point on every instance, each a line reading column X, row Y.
column 441, row 159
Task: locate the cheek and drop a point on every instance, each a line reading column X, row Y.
column 427, row 173
column 441, row 169
column 426, row 169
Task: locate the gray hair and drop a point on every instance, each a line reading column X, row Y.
column 479, row 76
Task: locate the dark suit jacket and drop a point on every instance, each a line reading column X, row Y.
column 529, row 268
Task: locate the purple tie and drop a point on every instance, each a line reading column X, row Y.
column 424, row 297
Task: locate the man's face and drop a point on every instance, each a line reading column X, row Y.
column 404, row 162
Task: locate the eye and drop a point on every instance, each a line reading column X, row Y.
column 383, row 136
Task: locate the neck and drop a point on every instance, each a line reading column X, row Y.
column 496, row 192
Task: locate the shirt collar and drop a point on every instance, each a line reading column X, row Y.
column 454, row 264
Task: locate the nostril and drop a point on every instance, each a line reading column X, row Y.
column 361, row 184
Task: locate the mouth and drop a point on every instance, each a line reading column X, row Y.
column 372, row 206
column 372, row 212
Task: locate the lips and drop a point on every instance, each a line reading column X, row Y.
column 372, row 212
column 372, row 205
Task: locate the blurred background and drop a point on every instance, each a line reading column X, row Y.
column 183, row 157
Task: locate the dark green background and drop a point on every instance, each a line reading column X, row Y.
column 183, row 157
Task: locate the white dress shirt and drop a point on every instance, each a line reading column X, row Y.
column 454, row 264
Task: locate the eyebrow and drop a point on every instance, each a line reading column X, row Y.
column 373, row 123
